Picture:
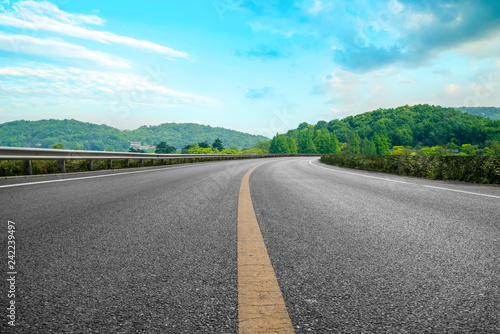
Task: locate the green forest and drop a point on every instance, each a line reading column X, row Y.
column 488, row 112
column 87, row 136
column 415, row 130
column 406, row 130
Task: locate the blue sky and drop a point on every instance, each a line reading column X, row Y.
column 256, row 66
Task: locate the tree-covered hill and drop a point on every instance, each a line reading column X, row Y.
column 379, row 131
column 181, row 134
column 488, row 112
column 81, row 135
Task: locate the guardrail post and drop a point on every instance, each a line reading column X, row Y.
column 127, row 163
column 62, row 166
column 178, row 161
column 28, row 170
column 141, row 162
column 110, row 164
column 90, row 166
column 152, row 162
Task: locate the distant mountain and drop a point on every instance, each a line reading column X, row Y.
column 81, row 135
column 181, row 134
column 488, row 112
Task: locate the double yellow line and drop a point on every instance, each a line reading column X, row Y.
column 261, row 308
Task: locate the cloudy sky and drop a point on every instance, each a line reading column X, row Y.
column 258, row 66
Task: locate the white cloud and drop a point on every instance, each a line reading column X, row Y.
column 70, row 106
column 278, row 27
column 486, row 47
column 346, row 85
column 45, row 16
column 378, row 90
column 56, row 49
column 395, row 7
column 451, row 89
column 115, row 88
column 317, row 7
column 415, row 21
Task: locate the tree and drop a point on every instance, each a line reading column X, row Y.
column 494, row 147
column 198, row 150
column 403, row 137
column 204, row 144
column 136, row 150
column 263, row 145
column 309, row 146
column 322, row 141
column 292, row 145
column 354, row 144
column 333, row 144
column 229, row 151
column 321, row 125
column 368, row 147
column 279, row 145
column 383, row 144
column 468, row 149
column 217, row 145
column 186, row 148
column 164, row 148
column 435, row 150
column 301, row 142
column 59, row 146
column 400, row 150
column 79, row 147
column 303, row 125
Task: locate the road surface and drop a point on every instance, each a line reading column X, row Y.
column 155, row 250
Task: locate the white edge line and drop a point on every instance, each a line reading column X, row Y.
column 94, row 176
column 421, row 185
column 371, row 177
column 461, row 191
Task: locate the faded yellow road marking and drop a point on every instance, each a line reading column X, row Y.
column 261, row 308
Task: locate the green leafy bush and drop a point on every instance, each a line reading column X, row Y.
column 462, row 168
column 11, row 167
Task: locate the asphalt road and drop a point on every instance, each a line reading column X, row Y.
column 155, row 250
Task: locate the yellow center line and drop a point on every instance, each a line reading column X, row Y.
column 261, row 308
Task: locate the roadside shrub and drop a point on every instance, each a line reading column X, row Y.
column 76, row 165
column 11, row 167
column 463, row 168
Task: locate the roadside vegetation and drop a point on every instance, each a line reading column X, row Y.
column 15, row 167
column 460, row 168
column 421, row 140
column 217, row 147
column 422, row 130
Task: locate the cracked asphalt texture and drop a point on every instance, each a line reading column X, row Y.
column 155, row 252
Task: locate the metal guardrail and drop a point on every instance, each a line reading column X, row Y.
column 28, row 154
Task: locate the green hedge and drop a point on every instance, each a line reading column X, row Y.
column 462, row 168
column 15, row 167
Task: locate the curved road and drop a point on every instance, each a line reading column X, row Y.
column 154, row 250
